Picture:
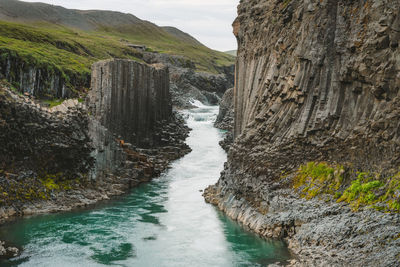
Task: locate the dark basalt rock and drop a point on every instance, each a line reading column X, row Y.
column 225, row 118
column 130, row 99
column 31, row 138
column 186, row 84
column 316, row 81
column 72, row 155
column 40, row 80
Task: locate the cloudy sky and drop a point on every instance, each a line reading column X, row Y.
column 209, row 21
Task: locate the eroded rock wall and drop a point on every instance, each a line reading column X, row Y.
column 135, row 133
column 32, row 138
column 130, row 99
column 318, row 81
column 72, row 155
column 42, row 81
column 225, row 118
column 315, row 81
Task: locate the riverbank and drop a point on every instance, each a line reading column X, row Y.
column 61, row 158
column 156, row 224
column 319, row 233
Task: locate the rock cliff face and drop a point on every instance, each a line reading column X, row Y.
column 186, row 84
column 38, row 80
column 32, row 138
column 132, row 125
column 135, row 97
column 72, row 155
column 315, row 81
column 225, row 118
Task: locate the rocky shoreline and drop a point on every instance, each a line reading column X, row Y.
column 318, row 233
column 76, row 154
column 141, row 165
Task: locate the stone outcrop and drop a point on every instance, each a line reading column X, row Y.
column 225, row 118
column 135, row 97
column 7, row 252
column 36, row 139
column 39, row 80
column 187, row 84
column 135, row 132
column 75, row 154
column 315, row 81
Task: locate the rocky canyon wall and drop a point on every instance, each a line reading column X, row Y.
column 316, row 81
column 74, row 154
column 225, row 118
column 131, row 99
column 132, row 123
column 42, row 81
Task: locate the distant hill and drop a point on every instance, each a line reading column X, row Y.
column 231, row 52
column 73, row 39
column 185, row 37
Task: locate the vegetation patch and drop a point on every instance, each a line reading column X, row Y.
column 314, row 179
column 53, row 103
column 361, row 189
column 15, row 189
column 71, row 52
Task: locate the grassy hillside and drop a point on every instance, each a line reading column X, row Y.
column 73, row 39
column 231, row 52
column 74, row 50
column 64, row 43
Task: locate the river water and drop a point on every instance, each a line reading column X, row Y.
column 162, row 223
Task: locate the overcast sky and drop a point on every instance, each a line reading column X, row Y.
column 209, row 21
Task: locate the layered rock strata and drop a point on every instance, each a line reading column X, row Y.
column 315, row 81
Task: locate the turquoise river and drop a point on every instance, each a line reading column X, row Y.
column 162, row 223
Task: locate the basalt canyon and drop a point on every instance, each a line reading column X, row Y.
column 127, row 143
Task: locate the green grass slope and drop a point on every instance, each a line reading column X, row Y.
column 71, row 40
column 231, row 52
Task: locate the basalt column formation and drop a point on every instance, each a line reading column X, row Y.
column 131, row 99
column 316, row 82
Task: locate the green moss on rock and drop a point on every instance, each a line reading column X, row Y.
column 314, row 179
column 363, row 189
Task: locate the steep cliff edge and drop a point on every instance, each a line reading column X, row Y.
column 131, row 120
column 317, row 116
